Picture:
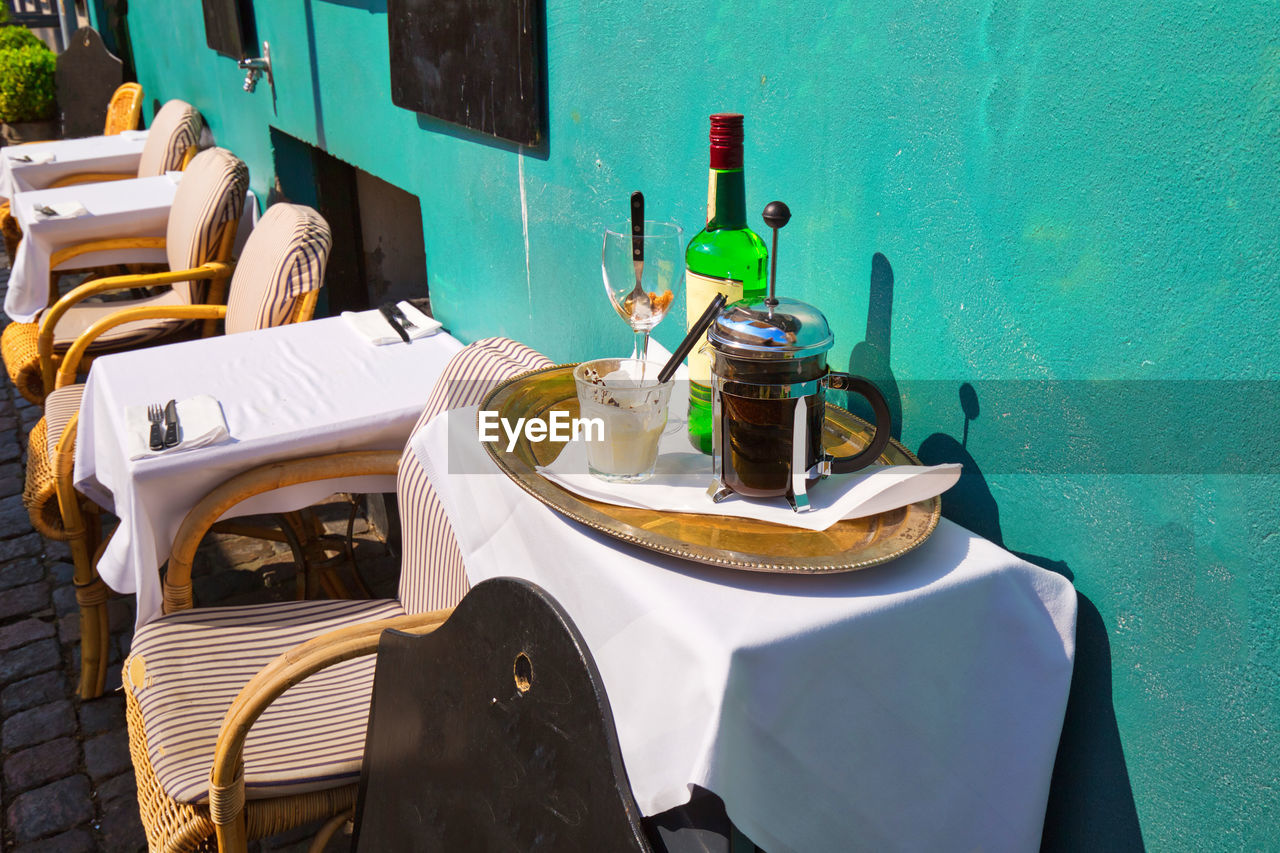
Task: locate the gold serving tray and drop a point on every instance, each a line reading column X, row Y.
column 719, row 540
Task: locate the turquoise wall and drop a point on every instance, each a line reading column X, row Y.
column 1050, row 193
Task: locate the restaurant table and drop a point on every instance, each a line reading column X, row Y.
column 119, row 152
column 137, row 207
column 915, row 705
column 304, row 389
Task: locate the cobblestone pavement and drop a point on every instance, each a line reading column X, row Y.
column 67, row 782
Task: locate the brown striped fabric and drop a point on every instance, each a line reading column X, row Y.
column 60, row 407
column 210, row 196
column 186, row 668
column 175, row 128
column 284, row 257
column 431, row 570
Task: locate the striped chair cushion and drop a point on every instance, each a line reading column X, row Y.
column 283, row 258
column 209, row 197
column 431, row 571
column 60, row 407
column 185, row 669
column 85, row 314
column 175, row 128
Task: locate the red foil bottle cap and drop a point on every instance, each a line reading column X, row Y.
column 726, row 141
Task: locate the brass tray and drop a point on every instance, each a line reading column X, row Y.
column 719, row 540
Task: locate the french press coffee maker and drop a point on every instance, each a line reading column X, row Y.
column 769, row 380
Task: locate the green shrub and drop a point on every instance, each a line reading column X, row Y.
column 26, row 84
column 18, row 37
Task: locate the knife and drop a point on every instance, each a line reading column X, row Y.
column 170, row 424
column 389, row 314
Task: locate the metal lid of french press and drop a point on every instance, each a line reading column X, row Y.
column 771, row 328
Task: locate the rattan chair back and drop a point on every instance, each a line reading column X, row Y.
column 283, row 261
column 209, row 201
column 124, row 110
column 175, row 128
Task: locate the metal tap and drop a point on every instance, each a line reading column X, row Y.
column 256, row 67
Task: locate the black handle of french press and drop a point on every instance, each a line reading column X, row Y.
column 883, row 422
column 776, row 214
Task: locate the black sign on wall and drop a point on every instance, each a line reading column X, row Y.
column 229, row 28
column 477, row 63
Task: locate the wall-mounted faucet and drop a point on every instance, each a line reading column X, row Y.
column 256, row 67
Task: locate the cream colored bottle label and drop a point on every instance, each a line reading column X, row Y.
column 699, row 291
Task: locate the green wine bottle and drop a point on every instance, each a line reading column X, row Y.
column 725, row 257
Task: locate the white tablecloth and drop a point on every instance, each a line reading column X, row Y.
column 138, row 207
column 298, row 390
column 115, row 153
column 913, row 706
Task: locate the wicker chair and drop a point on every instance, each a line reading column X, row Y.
column 197, row 680
column 202, row 226
column 170, row 145
column 277, row 282
column 124, row 110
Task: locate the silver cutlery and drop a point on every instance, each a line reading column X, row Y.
column 388, row 313
column 155, row 414
column 46, row 210
column 21, row 158
column 399, row 314
column 171, row 424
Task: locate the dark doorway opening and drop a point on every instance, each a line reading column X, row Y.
column 378, row 253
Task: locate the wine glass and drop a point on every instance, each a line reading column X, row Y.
column 643, row 289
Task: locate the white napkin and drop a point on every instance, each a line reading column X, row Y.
column 133, row 135
column 374, row 327
column 200, row 423
column 34, row 157
column 61, row 210
column 681, row 478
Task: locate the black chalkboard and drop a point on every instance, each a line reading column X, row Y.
column 229, row 28
column 477, row 63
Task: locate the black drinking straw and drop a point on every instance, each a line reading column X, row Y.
column 696, row 331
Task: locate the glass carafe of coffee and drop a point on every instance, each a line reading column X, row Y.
column 769, row 380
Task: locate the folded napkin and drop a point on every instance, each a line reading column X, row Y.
column 374, row 327
column 60, row 210
column 133, row 135
column 19, row 156
column 200, row 423
column 681, row 478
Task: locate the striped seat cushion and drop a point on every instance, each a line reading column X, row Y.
column 175, row 128
column 186, row 668
column 432, row 575
column 60, row 407
column 83, row 315
column 284, row 258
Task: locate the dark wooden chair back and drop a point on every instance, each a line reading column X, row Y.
column 493, row 733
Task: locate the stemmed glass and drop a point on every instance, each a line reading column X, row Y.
column 642, row 290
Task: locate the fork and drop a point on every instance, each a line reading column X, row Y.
column 155, row 414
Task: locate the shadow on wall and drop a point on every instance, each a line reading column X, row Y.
column 870, row 358
column 1091, row 804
